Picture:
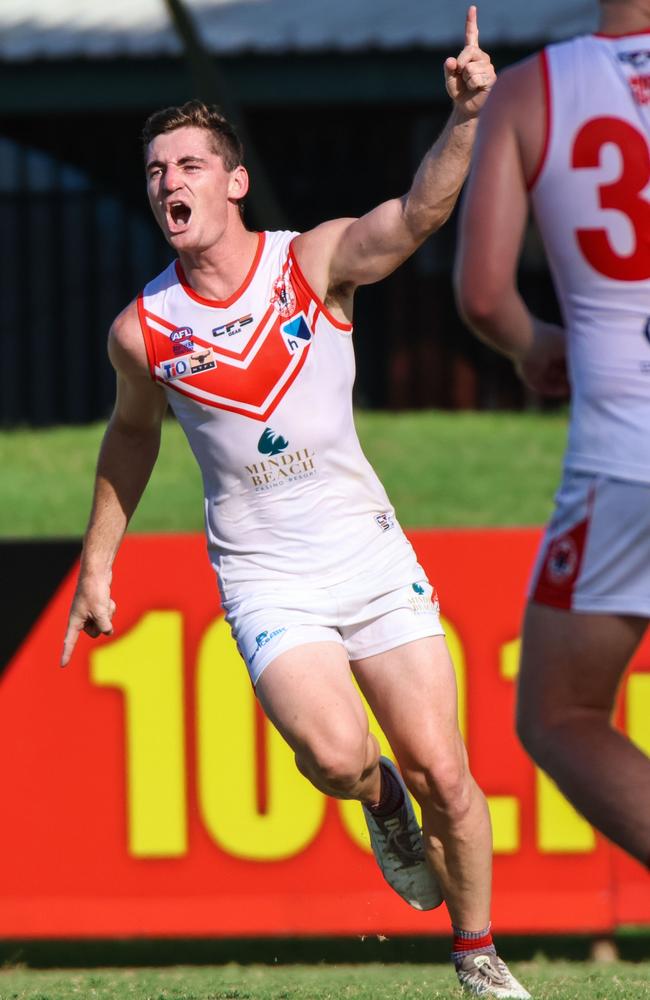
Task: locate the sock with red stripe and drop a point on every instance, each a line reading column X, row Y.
column 471, row 943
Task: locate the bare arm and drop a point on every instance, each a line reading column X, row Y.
column 493, row 220
column 345, row 253
column 127, row 456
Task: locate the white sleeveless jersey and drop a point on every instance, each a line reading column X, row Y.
column 262, row 386
column 592, row 203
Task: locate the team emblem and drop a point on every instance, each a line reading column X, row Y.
column 562, row 560
column 284, row 297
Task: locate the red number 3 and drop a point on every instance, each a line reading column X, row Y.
column 624, row 195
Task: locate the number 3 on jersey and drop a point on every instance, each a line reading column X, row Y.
column 624, row 195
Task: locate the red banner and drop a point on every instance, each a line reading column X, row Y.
column 146, row 795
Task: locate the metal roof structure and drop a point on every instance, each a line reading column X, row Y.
column 73, row 29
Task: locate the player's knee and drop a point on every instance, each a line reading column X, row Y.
column 339, row 766
column 444, row 783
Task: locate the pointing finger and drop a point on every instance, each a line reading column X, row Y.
column 471, row 27
column 69, row 644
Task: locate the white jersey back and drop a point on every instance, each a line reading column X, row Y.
column 262, row 386
column 592, row 203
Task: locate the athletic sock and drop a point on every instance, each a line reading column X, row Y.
column 391, row 795
column 471, row 943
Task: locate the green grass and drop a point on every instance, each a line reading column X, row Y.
column 440, row 469
column 545, row 980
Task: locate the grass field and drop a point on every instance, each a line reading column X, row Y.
column 545, row 980
column 440, row 469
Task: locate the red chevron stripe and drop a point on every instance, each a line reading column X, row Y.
column 231, row 407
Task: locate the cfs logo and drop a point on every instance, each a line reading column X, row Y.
column 636, row 60
column 233, row 328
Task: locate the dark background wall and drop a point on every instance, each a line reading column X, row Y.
column 77, row 242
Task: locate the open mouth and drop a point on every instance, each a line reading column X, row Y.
column 179, row 213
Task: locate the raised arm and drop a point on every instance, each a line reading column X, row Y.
column 127, row 456
column 493, row 219
column 342, row 254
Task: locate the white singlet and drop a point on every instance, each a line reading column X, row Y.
column 262, row 386
column 592, row 203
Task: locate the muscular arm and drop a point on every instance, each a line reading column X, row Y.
column 127, row 456
column 493, row 219
column 345, row 253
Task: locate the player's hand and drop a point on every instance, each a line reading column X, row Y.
column 543, row 366
column 469, row 77
column 91, row 612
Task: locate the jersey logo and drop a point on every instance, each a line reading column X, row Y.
column 270, row 445
column 251, row 381
column 296, row 333
column 283, row 299
column 232, row 328
column 194, row 364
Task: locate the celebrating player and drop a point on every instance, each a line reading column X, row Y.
column 247, row 337
column 569, row 130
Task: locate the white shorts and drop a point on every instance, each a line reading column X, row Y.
column 595, row 556
column 363, row 619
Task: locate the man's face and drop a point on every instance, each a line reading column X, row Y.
column 189, row 188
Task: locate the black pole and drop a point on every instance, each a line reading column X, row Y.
column 212, row 87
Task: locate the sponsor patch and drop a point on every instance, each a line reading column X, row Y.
column 262, row 639
column 202, row 361
column 386, row 521
column 232, row 328
column 271, row 444
column 181, row 333
column 190, row 364
column 422, row 602
column 279, row 466
column 635, row 59
column 296, row 333
column 183, row 347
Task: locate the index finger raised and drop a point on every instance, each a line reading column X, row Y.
column 471, row 26
column 69, row 643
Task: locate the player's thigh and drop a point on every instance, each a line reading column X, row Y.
column 573, row 660
column 412, row 692
column 308, row 694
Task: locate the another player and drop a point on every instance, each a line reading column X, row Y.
column 569, row 130
column 247, row 337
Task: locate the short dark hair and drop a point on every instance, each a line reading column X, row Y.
column 226, row 143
